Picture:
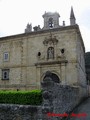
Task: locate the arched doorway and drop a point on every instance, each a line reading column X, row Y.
column 53, row 76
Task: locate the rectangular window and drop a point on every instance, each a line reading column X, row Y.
column 6, row 56
column 5, row 74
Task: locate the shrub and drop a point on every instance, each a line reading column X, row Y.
column 33, row 97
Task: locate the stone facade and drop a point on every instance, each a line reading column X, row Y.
column 30, row 55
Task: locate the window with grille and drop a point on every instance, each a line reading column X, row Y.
column 5, row 74
column 6, row 56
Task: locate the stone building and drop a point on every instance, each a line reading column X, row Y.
column 25, row 58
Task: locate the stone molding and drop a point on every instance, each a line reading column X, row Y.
column 51, row 62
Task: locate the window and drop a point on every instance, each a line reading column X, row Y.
column 6, row 56
column 51, row 25
column 62, row 51
column 39, row 54
column 50, row 53
column 5, row 74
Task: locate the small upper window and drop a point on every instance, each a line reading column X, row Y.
column 6, row 56
column 62, row 51
column 39, row 54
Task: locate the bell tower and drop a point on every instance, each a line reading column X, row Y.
column 51, row 20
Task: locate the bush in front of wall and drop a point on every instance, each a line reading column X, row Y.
column 33, row 97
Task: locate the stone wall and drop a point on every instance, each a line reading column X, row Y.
column 18, row 112
column 57, row 99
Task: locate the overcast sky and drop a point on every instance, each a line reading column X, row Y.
column 15, row 14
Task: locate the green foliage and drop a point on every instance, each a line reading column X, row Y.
column 33, row 97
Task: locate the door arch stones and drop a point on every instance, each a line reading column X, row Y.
column 53, row 76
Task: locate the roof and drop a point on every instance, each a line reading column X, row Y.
column 45, row 31
column 50, row 14
column 39, row 32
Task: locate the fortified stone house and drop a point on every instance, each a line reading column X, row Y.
column 25, row 58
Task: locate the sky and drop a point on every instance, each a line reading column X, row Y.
column 15, row 14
